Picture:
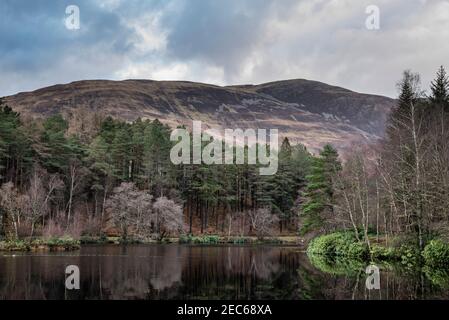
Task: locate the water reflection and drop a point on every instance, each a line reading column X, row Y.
column 349, row 279
column 196, row 272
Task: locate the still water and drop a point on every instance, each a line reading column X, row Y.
column 199, row 272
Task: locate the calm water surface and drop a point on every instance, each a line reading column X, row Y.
column 198, row 272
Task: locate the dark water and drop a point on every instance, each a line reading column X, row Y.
column 199, row 272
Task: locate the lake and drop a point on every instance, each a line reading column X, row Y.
column 201, row 272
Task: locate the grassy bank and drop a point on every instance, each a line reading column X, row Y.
column 200, row 240
column 215, row 239
column 50, row 244
column 69, row 244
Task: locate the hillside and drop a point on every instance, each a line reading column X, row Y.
column 307, row 112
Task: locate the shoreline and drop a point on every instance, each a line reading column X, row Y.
column 342, row 248
column 36, row 245
column 70, row 244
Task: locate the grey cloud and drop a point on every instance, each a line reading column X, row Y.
column 241, row 41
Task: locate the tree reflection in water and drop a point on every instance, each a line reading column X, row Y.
column 203, row 272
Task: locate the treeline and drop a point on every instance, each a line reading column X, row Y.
column 87, row 174
column 399, row 190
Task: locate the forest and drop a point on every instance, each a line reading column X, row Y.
column 391, row 204
column 86, row 174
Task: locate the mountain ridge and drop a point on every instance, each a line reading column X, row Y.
column 308, row 112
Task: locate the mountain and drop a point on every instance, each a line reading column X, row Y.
column 308, row 112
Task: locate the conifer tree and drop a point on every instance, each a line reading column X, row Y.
column 410, row 93
column 9, row 121
column 319, row 192
column 15, row 147
column 121, row 149
column 54, row 154
column 440, row 89
column 285, row 188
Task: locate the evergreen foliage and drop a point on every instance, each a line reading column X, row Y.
column 319, row 192
column 440, row 89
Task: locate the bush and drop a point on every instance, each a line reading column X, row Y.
column 438, row 276
column 185, row 238
column 94, row 240
column 382, row 253
column 339, row 245
column 338, row 266
column 358, row 251
column 65, row 242
column 128, row 240
column 436, row 254
column 334, row 244
column 322, row 245
column 209, row 239
column 409, row 256
column 240, row 240
column 14, row 245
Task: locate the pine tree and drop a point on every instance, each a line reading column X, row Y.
column 284, row 192
column 331, row 165
column 2, row 138
column 121, row 152
column 108, row 129
column 410, row 93
column 55, row 154
column 409, row 108
column 15, row 146
column 319, row 192
column 9, row 121
column 159, row 172
column 440, row 89
column 101, row 166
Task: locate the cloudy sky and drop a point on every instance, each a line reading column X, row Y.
column 222, row 41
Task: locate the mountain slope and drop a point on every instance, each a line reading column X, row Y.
column 307, row 112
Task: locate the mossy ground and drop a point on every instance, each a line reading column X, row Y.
column 50, row 244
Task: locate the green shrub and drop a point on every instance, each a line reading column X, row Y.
column 409, row 256
column 382, row 253
column 338, row 266
column 334, row 244
column 339, row 245
column 358, row 251
column 94, row 240
column 322, row 245
column 240, row 240
column 65, row 242
column 436, row 254
column 14, row 245
column 185, row 238
column 208, row 239
column 438, row 276
column 129, row 241
column 212, row 239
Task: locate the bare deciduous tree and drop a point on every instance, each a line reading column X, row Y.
column 168, row 217
column 75, row 175
column 130, row 209
column 38, row 197
column 262, row 222
column 13, row 203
